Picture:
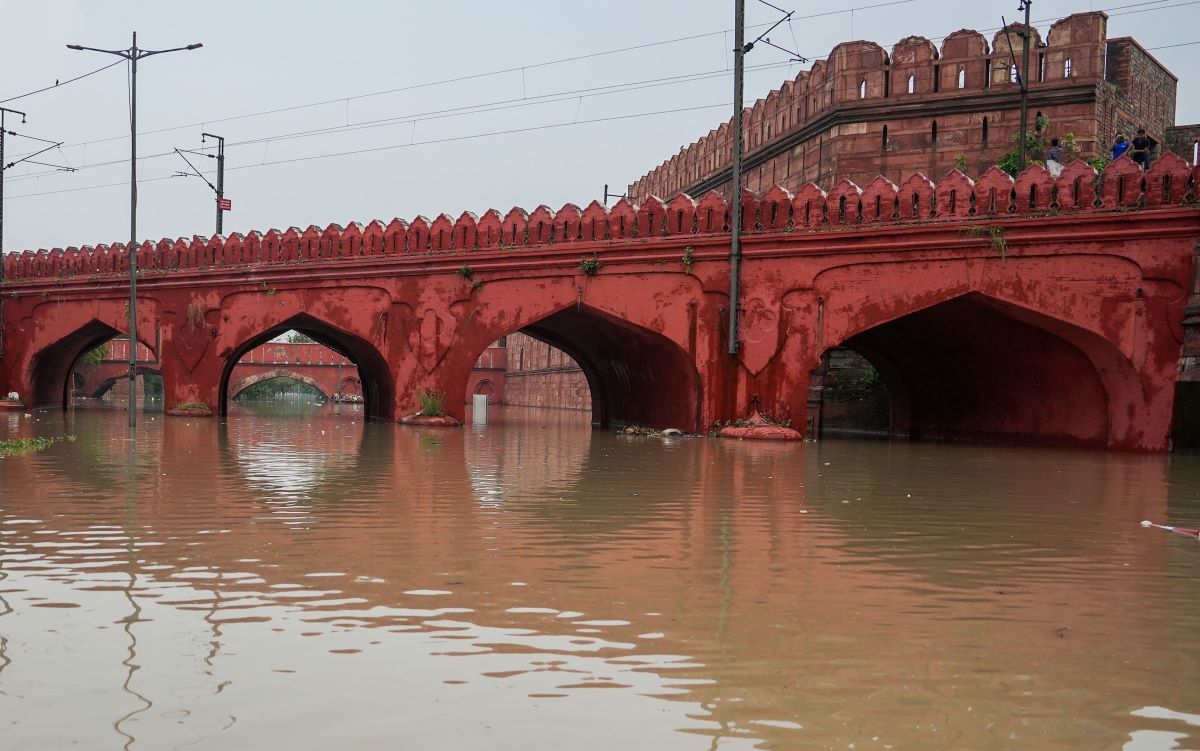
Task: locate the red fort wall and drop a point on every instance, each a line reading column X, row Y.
column 864, row 112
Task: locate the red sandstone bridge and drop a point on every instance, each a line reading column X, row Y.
column 1034, row 310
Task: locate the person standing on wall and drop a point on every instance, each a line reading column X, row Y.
column 1139, row 151
column 1054, row 158
column 1120, row 146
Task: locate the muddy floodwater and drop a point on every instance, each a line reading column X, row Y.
column 301, row 579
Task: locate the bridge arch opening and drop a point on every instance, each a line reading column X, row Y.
column 518, row 370
column 330, row 360
column 622, row 373
column 92, row 363
column 974, row 369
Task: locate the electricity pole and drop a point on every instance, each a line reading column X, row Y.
column 220, row 177
column 740, row 48
column 3, row 112
column 219, row 188
column 735, row 239
column 133, row 54
column 3, row 166
column 1023, row 79
column 28, row 158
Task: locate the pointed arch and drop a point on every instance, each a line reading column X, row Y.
column 49, row 370
column 373, row 370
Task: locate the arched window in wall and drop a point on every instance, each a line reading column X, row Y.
column 985, row 129
column 912, row 84
column 962, row 78
column 933, row 133
column 862, row 89
column 885, row 139
column 1067, row 68
column 1012, row 73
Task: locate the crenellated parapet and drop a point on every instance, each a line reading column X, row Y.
column 1122, row 186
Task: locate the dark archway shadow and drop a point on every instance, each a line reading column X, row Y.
column 971, row 369
column 373, row 372
column 635, row 375
column 52, row 367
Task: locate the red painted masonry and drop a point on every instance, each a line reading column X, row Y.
column 1035, row 310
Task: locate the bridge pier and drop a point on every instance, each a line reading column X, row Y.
column 193, row 390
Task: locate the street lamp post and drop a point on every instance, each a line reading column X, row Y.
column 133, row 54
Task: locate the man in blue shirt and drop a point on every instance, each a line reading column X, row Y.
column 1120, row 147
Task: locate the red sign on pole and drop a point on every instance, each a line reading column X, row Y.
column 225, row 204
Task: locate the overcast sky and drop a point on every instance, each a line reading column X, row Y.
column 567, row 134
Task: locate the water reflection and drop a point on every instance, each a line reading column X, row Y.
column 522, row 584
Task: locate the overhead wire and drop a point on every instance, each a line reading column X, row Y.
column 466, row 110
column 575, row 58
column 1139, row 7
column 392, row 147
column 502, row 104
column 471, row 76
column 59, row 84
column 435, row 115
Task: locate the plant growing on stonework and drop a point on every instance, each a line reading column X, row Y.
column 1036, row 146
column 1098, row 162
column 590, row 266
column 1034, row 149
column 994, row 234
column 432, row 403
column 960, row 163
column 466, row 272
column 688, row 260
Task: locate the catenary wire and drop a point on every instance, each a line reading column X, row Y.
column 477, row 109
column 482, row 108
column 59, row 84
column 392, row 147
column 469, row 76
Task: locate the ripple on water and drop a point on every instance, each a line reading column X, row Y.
column 707, row 594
